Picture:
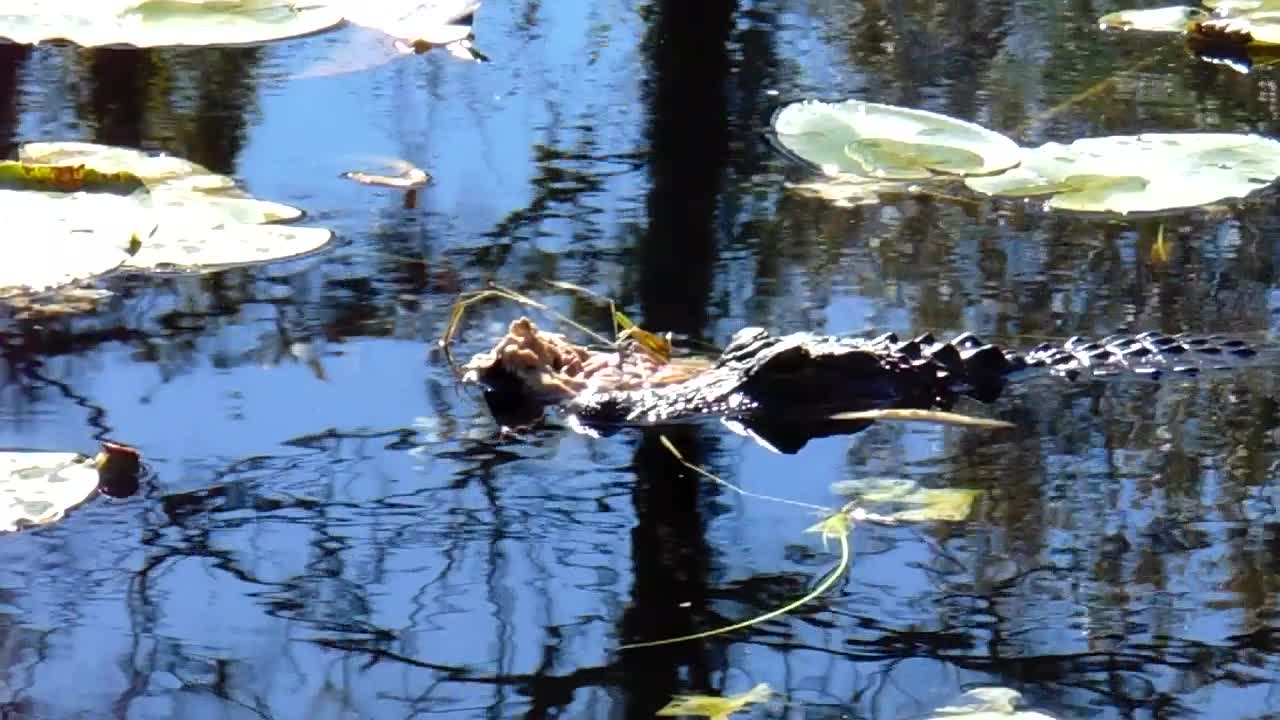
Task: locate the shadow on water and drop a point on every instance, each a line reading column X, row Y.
column 334, row 529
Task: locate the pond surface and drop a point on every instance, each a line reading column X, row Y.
column 331, row 528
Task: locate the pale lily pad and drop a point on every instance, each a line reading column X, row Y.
column 67, row 223
column 889, row 143
column 987, row 703
column 202, row 221
column 1148, row 173
column 37, row 488
column 161, row 23
column 950, row 504
column 1175, row 19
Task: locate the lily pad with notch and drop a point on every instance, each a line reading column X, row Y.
column 887, row 142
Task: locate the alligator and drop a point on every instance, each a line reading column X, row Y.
column 784, row 389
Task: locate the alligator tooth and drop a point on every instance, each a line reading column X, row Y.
column 911, row 349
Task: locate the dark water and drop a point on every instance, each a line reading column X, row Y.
column 349, row 537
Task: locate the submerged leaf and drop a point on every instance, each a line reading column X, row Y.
column 716, row 708
column 1147, row 173
column 949, row 504
column 161, row 23
column 888, row 142
column 987, row 703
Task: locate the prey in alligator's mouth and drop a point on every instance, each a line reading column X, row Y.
column 548, row 369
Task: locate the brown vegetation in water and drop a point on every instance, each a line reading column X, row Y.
column 552, row 367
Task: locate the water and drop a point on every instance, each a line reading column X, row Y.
column 332, row 529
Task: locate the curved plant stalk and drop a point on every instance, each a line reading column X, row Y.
column 835, row 526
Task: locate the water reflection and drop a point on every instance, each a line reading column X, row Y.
column 356, row 541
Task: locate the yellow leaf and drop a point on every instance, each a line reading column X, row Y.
column 716, row 708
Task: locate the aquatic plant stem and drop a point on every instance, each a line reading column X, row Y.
column 827, row 582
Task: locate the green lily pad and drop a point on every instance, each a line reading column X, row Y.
column 161, row 23
column 889, row 143
column 1148, row 173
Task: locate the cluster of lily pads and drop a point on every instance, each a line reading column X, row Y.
column 866, row 150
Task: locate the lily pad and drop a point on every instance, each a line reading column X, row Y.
column 1148, row 173
column 886, row 142
column 161, row 23
column 37, row 488
column 72, row 224
column 202, row 221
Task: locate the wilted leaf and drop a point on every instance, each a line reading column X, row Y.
column 915, row 415
column 157, row 23
column 406, row 177
column 716, row 708
column 888, row 142
column 1140, row 173
column 627, row 330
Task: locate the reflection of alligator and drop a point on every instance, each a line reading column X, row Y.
column 784, row 389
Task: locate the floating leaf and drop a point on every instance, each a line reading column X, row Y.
column 659, row 346
column 200, row 220
column 37, row 488
column 67, row 223
column 158, row 23
column 716, row 708
column 1175, row 19
column 933, row 416
column 947, row 504
column 1147, row 173
column 888, row 142
column 987, row 703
